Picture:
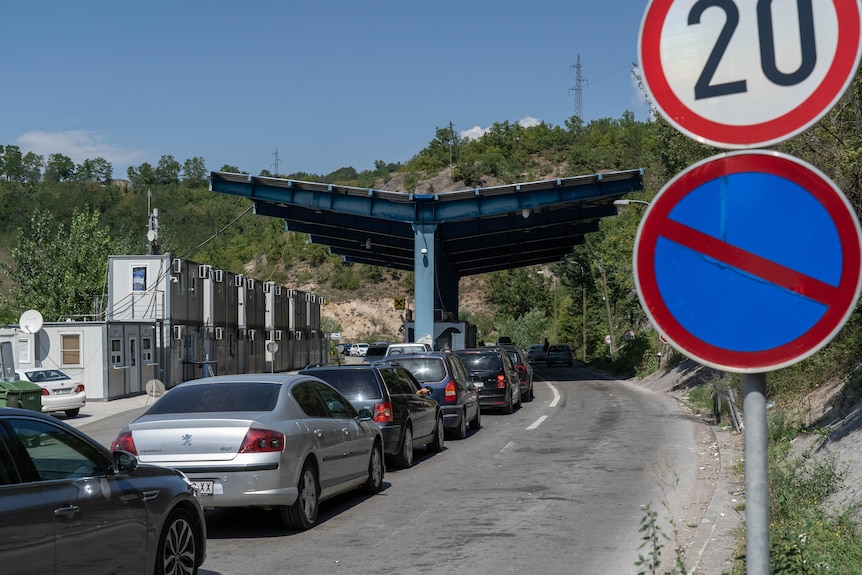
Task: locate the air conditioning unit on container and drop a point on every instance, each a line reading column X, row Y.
column 250, row 334
column 219, row 333
column 249, row 283
column 218, row 275
column 177, row 266
column 204, row 271
column 179, row 331
column 278, row 335
column 267, row 287
column 277, row 290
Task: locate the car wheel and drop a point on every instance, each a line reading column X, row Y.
column 73, row 412
column 404, row 457
column 476, row 423
column 460, row 432
column 439, row 431
column 177, row 553
column 374, row 483
column 303, row 513
column 510, row 405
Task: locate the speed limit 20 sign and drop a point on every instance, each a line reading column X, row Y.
column 748, row 73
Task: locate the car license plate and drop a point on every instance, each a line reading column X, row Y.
column 203, row 487
column 479, row 384
column 63, row 391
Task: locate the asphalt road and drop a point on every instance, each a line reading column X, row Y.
column 557, row 487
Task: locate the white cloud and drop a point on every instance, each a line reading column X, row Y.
column 473, row 133
column 78, row 145
column 477, row 132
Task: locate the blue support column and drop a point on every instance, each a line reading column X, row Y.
column 423, row 286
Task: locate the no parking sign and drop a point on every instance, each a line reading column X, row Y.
column 749, row 261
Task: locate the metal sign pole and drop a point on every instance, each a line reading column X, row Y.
column 756, row 475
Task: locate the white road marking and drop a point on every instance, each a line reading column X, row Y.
column 508, row 446
column 553, row 403
column 537, row 423
column 556, row 399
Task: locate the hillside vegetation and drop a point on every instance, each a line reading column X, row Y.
column 60, row 221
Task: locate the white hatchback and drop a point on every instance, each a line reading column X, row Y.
column 59, row 391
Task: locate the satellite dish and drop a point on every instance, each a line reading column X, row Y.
column 31, row 321
column 272, row 347
column 151, row 235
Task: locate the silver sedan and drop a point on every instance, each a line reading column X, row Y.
column 287, row 442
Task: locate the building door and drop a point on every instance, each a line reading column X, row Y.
column 133, row 361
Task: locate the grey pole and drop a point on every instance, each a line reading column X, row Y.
column 756, row 475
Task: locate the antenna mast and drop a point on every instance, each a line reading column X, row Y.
column 578, row 89
column 275, row 163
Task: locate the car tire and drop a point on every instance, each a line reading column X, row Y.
column 70, row 413
column 510, row 405
column 439, row 440
column 179, row 546
column 460, row 432
column 476, row 423
column 404, row 457
column 374, row 483
column 303, row 513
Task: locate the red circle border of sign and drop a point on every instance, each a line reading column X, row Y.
column 836, row 81
column 795, row 170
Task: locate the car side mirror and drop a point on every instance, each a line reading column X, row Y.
column 364, row 414
column 123, row 462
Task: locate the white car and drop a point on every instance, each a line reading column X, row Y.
column 59, row 391
column 358, row 349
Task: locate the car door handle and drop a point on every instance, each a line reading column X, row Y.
column 151, row 494
column 345, row 430
column 67, row 511
column 318, row 432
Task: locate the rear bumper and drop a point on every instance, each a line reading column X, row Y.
column 452, row 415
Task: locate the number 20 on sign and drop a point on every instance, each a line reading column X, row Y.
column 748, row 73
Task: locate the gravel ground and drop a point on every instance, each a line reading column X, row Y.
column 708, row 526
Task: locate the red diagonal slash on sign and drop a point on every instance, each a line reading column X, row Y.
column 748, row 262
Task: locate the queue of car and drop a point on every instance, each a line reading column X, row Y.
column 285, row 442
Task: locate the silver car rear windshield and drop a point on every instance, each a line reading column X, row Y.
column 219, row 398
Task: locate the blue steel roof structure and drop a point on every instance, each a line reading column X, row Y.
column 477, row 230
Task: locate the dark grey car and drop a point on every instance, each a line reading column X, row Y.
column 492, row 373
column 68, row 506
column 406, row 419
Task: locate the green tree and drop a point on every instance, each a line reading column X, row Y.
column 32, row 167
column 194, row 171
column 59, row 168
column 59, row 271
column 13, row 163
column 142, row 177
column 167, row 171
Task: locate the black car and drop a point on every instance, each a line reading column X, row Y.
column 492, row 372
column 524, row 371
column 69, row 506
column 406, row 418
column 449, row 381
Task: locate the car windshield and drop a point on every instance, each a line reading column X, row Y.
column 218, row 397
column 425, row 369
column 45, row 375
column 354, row 384
column 481, row 361
column 558, row 348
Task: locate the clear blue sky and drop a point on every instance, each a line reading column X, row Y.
column 328, row 83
